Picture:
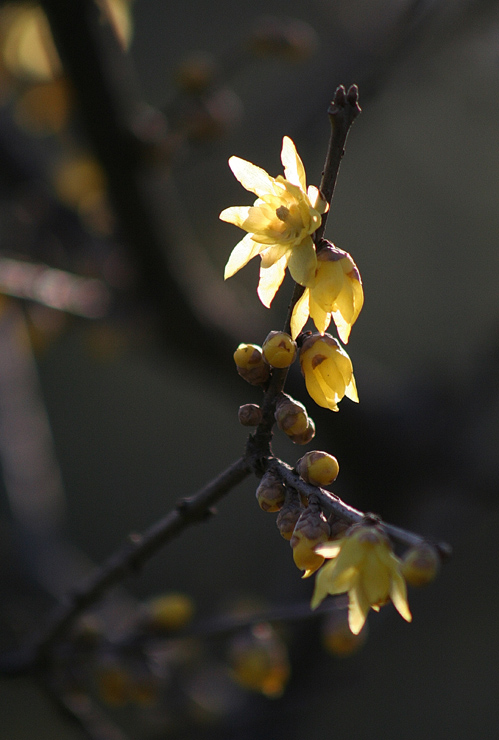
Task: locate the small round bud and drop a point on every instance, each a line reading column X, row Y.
column 279, row 350
column 250, row 415
column 168, row 612
column 270, row 493
column 311, row 529
column 250, row 364
column 305, row 437
column 318, row 468
column 291, row 416
column 420, row 565
column 288, row 517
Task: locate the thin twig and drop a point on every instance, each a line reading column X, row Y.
column 332, row 504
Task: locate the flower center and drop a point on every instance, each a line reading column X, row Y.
column 282, row 213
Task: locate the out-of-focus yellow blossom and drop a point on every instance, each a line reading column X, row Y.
column 363, row 565
column 327, row 370
column 335, row 292
column 259, row 661
column 279, row 223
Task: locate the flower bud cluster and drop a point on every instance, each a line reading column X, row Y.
column 271, row 492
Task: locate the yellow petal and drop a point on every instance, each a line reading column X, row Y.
column 328, row 284
column 272, row 254
column 320, row 588
column 270, row 281
column 316, row 200
column 293, row 166
column 398, row 594
column 251, row 177
column 241, row 255
column 300, row 313
column 342, row 326
column 375, row 579
column 329, row 549
column 321, row 318
column 358, row 609
column 351, row 391
column 315, row 391
column 302, row 262
column 236, row 215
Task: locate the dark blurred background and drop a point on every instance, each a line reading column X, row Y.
column 118, row 395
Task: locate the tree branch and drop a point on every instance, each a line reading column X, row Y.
column 130, row 557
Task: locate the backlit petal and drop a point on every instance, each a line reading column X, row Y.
column 299, row 316
column 236, row 215
column 293, row 166
column 303, row 262
column 321, row 318
column 241, row 255
column 398, row 594
column 358, row 609
column 270, row 281
column 251, row 177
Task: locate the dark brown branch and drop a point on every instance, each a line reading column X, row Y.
column 342, row 111
column 130, row 557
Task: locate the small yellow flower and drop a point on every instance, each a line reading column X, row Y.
column 335, row 292
column 328, row 371
column 363, row 565
column 279, row 223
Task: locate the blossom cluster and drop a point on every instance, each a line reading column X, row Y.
column 279, row 227
column 359, row 560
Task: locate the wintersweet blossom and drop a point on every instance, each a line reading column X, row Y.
column 279, row 223
column 363, row 565
column 335, row 292
column 327, row 370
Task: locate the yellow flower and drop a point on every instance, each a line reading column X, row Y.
column 327, row 370
column 363, row 565
column 279, row 223
column 335, row 292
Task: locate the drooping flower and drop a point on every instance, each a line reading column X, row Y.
column 327, row 370
column 364, row 566
column 279, row 223
column 335, row 292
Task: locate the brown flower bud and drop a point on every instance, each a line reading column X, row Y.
column 250, row 364
column 270, row 493
column 311, row 529
column 250, row 415
column 288, row 517
column 291, row 416
column 306, row 436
